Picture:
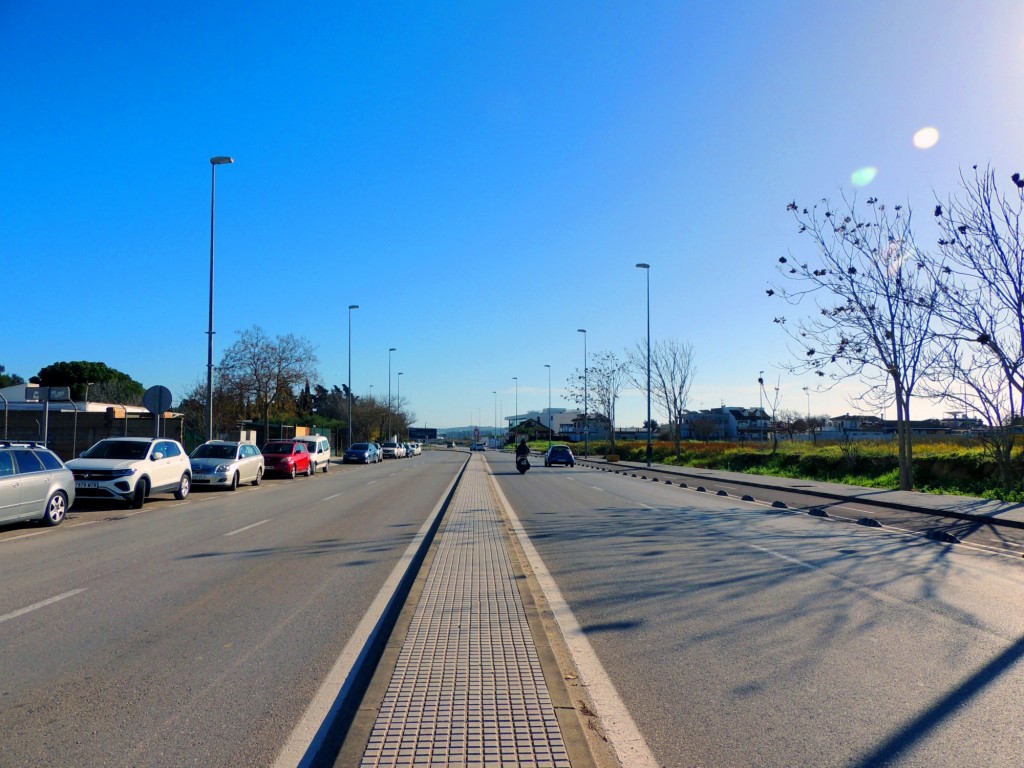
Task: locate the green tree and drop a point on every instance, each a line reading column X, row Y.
column 105, row 383
column 9, row 379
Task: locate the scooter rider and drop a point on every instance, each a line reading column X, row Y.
column 522, row 449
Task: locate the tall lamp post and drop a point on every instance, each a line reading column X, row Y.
column 398, row 400
column 549, row 405
column 350, row 308
column 760, row 402
column 586, row 414
column 390, row 350
column 515, row 431
column 214, row 162
column 495, row 428
column 647, row 269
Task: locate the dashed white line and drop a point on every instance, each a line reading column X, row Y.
column 248, row 527
column 371, row 482
column 332, row 496
column 43, row 604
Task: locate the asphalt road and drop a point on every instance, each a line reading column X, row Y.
column 195, row 633
column 741, row 635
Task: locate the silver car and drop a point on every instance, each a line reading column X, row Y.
column 34, row 484
column 225, row 464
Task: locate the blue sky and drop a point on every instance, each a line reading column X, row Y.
column 481, row 178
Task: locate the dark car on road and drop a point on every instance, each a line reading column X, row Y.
column 559, row 454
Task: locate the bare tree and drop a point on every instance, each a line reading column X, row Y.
column 606, row 378
column 672, row 374
column 875, row 305
column 264, row 372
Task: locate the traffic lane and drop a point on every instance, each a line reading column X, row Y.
column 984, row 534
column 92, row 511
column 740, row 638
column 202, row 648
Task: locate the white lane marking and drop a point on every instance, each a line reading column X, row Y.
column 332, row 496
column 246, row 528
column 602, row 490
column 43, row 604
column 326, row 700
column 787, row 558
column 371, row 482
column 620, row 728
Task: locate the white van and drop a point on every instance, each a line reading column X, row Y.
column 319, row 451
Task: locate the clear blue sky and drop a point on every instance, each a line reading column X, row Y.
column 479, row 177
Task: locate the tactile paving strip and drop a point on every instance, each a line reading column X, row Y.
column 468, row 689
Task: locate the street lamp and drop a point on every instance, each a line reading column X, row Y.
column 398, row 399
column 760, row 402
column 390, row 350
column 549, row 404
column 586, row 415
column 647, row 269
column 807, row 391
column 350, row 308
column 214, row 162
column 495, row 427
column 515, row 432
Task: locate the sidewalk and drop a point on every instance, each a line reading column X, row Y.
column 468, row 688
column 963, row 507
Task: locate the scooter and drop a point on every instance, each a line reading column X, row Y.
column 522, row 464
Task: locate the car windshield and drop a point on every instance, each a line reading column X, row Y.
column 390, row 445
column 277, row 448
column 359, row 447
column 118, row 449
column 214, row 452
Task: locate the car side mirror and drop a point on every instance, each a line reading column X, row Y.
column 157, row 456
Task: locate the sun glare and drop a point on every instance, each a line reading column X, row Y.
column 863, row 176
column 926, row 138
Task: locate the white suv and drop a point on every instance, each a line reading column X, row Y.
column 132, row 469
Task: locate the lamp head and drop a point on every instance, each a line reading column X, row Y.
column 221, row 160
column 641, row 265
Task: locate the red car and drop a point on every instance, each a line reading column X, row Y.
column 287, row 457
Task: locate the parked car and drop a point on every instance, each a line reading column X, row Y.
column 393, row 450
column 361, row 453
column 416, row 448
column 225, row 464
column 478, row 447
column 287, row 457
column 132, row 469
column 319, row 451
column 34, row 484
column 559, row 454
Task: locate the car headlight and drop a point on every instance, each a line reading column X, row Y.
column 123, row 472
column 221, row 469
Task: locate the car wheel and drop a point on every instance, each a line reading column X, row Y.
column 310, row 468
column 56, row 508
column 184, row 486
column 139, row 497
column 326, row 465
column 259, row 476
column 234, row 482
column 293, row 472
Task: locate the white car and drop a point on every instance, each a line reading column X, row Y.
column 392, row 450
column 319, row 451
column 132, row 469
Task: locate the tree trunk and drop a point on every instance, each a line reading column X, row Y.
column 903, row 440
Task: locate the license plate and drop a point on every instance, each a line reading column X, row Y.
column 201, row 478
column 86, row 484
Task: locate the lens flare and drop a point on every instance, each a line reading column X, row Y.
column 863, row 176
column 926, row 138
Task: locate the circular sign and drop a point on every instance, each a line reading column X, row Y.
column 157, row 399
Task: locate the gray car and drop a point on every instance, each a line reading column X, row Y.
column 34, row 484
column 225, row 464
